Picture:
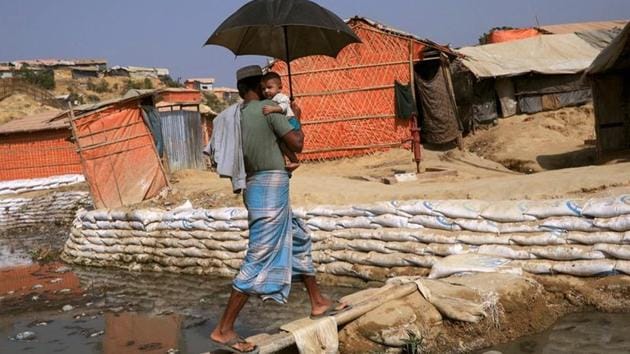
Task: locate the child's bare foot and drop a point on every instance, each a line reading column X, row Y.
column 292, row 166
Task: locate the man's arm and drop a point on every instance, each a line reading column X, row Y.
column 294, row 140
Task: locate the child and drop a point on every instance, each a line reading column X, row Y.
column 272, row 86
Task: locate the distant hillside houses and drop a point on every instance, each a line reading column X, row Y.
column 138, row 72
column 200, row 83
column 80, row 68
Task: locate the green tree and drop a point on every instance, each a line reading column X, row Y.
column 483, row 39
column 169, row 82
column 214, row 102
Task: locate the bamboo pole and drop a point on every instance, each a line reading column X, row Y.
column 282, row 340
column 348, row 119
column 336, row 92
column 359, row 147
column 354, row 67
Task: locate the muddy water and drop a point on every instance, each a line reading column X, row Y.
column 587, row 332
column 90, row 310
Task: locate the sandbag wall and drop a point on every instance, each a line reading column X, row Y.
column 37, row 184
column 370, row 242
column 54, row 208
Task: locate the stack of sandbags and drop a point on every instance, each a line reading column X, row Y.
column 55, row 208
column 372, row 241
column 37, row 184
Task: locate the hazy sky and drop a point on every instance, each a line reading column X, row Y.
column 171, row 33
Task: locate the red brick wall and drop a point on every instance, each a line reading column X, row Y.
column 37, row 154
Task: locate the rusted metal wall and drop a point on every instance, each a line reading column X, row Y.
column 183, row 139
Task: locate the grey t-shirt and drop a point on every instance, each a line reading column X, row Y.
column 260, row 137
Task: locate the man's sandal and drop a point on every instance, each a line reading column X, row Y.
column 332, row 310
column 230, row 345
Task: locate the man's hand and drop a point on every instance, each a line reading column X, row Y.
column 271, row 109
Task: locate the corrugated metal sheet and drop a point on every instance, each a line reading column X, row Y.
column 183, row 139
column 583, row 26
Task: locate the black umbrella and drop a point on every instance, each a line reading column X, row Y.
column 287, row 29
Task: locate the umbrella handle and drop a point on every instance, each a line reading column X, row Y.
column 286, row 47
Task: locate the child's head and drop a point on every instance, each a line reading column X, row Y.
column 271, row 84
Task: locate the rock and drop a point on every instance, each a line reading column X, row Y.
column 67, row 308
column 64, row 291
column 493, row 352
column 95, row 334
column 37, row 286
column 56, row 280
column 27, row 335
column 63, row 269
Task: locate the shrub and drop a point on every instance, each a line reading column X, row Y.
column 42, row 78
column 169, row 82
column 214, row 102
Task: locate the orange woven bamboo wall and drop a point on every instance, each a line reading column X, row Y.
column 348, row 102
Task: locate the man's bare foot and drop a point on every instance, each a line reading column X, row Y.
column 292, row 166
column 232, row 340
column 325, row 305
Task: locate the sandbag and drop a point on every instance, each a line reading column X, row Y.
column 504, row 252
column 390, row 220
column 379, row 208
column 591, row 238
column 323, row 223
column 507, row 211
column 563, row 207
column 435, row 222
column 361, row 222
column 566, row 253
column 615, row 251
column 570, row 223
column 536, row 266
column 465, row 209
column 540, row 239
column 618, row 223
column 585, row 268
column 607, row 207
column 483, row 239
column 417, row 207
column 471, row 262
column 227, row 214
column 478, row 225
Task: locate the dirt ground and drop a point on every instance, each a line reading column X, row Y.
column 525, row 306
column 536, row 156
column 19, row 105
column 539, row 142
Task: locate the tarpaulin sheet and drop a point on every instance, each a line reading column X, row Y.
column 118, row 156
column 614, row 57
column 549, row 54
column 499, row 36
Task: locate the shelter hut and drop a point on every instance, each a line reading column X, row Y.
column 348, row 102
column 527, row 76
column 37, row 146
column 610, row 80
column 182, row 128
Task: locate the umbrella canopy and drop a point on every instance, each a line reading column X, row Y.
column 287, row 29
